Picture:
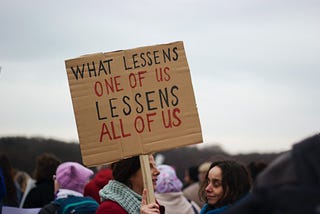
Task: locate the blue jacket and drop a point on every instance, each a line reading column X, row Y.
column 215, row 211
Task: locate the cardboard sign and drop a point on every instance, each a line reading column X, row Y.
column 133, row 102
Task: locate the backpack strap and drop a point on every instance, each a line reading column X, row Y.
column 49, row 208
column 193, row 207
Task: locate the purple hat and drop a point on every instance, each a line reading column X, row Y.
column 168, row 180
column 73, row 176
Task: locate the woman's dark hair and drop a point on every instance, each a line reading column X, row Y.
column 236, row 182
column 46, row 166
column 10, row 198
column 124, row 169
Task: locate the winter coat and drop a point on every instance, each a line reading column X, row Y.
column 40, row 195
column 109, row 206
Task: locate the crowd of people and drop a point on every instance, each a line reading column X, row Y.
column 289, row 184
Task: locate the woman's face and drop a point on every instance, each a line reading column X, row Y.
column 137, row 179
column 214, row 190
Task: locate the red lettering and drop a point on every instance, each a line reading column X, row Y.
column 171, row 120
column 122, row 130
column 98, row 89
column 136, row 120
column 149, row 120
column 175, row 112
column 111, row 131
column 104, row 131
column 114, row 131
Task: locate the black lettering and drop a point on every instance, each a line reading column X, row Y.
column 137, row 101
column 149, row 58
column 102, row 68
column 112, row 107
column 175, row 51
column 135, row 61
column 164, row 97
column 98, row 112
column 166, row 55
column 176, row 101
column 75, row 73
column 93, row 69
column 143, row 64
column 156, row 57
column 125, row 64
column 149, row 100
column 128, row 110
column 108, row 63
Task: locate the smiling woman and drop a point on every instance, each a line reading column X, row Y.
column 226, row 183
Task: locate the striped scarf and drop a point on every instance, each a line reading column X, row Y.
column 123, row 195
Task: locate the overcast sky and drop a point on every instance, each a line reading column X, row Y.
column 254, row 64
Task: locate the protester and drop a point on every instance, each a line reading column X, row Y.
column 192, row 191
column 289, row 185
column 31, row 183
column 102, row 177
column 190, row 176
column 70, row 180
column 125, row 193
column 255, row 168
column 21, row 179
column 226, row 183
column 11, row 191
column 43, row 192
column 169, row 194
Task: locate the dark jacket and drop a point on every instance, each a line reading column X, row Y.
column 40, row 195
column 289, row 185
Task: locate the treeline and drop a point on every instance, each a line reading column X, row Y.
column 23, row 151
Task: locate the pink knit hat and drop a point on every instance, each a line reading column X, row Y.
column 168, row 180
column 73, row 176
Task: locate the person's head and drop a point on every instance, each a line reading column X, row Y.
column 22, row 177
column 168, row 180
column 226, row 182
column 191, row 175
column 128, row 172
column 255, row 168
column 46, row 165
column 72, row 176
column 202, row 171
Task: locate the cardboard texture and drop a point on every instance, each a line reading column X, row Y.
column 133, row 102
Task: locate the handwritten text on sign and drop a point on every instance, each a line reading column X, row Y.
column 133, row 97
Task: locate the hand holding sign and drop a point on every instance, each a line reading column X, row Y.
column 148, row 208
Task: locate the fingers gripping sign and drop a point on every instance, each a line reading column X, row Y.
column 151, row 208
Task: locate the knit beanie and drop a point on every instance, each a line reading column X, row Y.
column 73, row 176
column 168, row 180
